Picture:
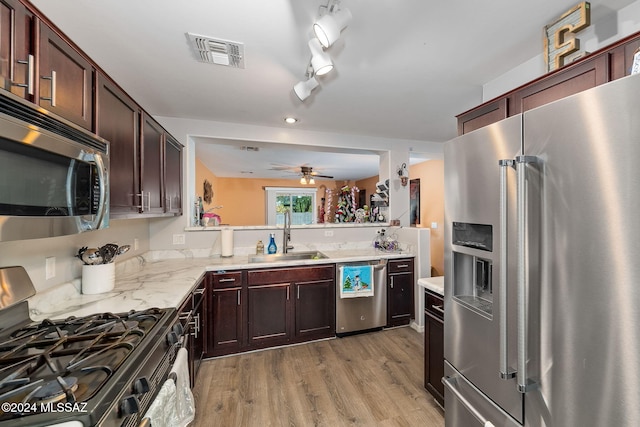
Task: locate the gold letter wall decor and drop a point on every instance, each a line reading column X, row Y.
column 560, row 43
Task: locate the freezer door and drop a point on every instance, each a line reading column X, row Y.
column 586, row 355
column 468, row 407
column 472, row 260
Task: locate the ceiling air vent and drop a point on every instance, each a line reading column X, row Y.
column 217, row 51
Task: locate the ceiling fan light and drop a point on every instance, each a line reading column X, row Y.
column 303, row 89
column 327, row 29
column 320, row 60
column 312, row 181
column 303, row 180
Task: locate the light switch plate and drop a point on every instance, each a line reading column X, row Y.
column 50, row 267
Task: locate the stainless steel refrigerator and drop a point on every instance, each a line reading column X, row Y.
column 542, row 265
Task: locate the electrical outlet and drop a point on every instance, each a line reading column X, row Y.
column 178, row 239
column 434, row 225
column 50, row 267
column 328, row 233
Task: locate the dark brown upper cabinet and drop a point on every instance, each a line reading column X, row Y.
column 65, row 79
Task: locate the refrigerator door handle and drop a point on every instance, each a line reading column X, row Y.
column 505, row 372
column 524, row 383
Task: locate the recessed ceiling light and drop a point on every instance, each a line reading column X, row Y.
column 290, row 120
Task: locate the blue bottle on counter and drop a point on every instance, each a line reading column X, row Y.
column 272, row 248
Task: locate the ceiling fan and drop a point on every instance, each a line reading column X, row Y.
column 308, row 175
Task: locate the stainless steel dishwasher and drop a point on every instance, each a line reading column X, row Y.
column 362, row 313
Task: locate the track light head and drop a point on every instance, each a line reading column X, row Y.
column 303, row 89
column 320, row 60
column 327, row 29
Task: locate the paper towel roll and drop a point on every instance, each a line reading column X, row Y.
column 99, row 278
column 227, row 242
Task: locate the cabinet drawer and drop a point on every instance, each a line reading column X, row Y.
column 434, row 304
column 227, row 280
column 400, row 266
column 287, row 275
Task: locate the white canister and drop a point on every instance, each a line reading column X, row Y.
column 226, row 238
column 98, row 278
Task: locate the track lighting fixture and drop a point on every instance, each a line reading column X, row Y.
column 303, row 88
column 320, row 60
column 327, row 29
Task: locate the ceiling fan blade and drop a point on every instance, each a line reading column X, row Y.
column 322, row 176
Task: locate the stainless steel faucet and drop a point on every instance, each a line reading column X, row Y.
column 286, row 235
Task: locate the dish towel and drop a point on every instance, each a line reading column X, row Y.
column 356, row 281
column 162, row 411
column 185, row 406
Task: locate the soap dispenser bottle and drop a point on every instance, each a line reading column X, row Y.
column 272, row 248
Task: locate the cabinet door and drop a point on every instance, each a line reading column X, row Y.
column 434, row 357
column 17, row 63
column 400, row 299
column 66, row 79
column 482, row 116
column 225, row 325
column 173, row 176
column 117, row 121
column 151, row 166
column 562, row 83
column 269, row 315
column 622, row 58
column 315, row 309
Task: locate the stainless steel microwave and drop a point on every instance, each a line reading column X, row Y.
column 54, row 176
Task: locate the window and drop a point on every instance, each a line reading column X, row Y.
column 300, row 201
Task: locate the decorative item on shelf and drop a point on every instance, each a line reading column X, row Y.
column 272, row 248
column 403, row 173
column 259, row 248
column 347, row 204
column 561, row 46
column 385, row 242
column 635, row 67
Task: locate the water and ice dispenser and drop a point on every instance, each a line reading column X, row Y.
column 473, row 274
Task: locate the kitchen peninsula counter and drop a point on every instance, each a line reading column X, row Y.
column 163, row 280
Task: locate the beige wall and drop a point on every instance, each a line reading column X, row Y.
column 431, row 174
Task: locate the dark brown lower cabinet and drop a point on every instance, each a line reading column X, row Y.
column 400, row 288
column 224, row 317
column 269, row 320
column 269, row 307
column 315, row 307
column 434, row 345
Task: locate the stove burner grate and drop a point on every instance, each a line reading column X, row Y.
column 56, row 390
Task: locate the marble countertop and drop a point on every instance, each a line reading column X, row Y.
column 153, row 281
column 435, row 284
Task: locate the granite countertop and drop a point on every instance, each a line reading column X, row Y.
column 435, row 284
column 152, row 281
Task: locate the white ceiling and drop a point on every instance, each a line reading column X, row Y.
column 403, row 68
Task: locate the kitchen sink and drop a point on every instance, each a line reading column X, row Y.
column 291, row 256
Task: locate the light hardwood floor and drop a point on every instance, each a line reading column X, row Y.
column 373, row 379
